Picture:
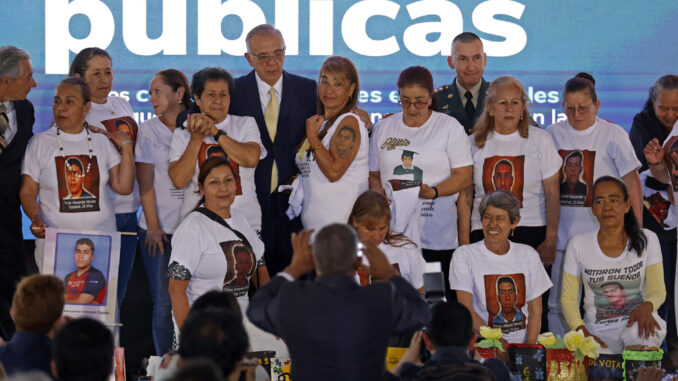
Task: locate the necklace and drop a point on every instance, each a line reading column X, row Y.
column 61, row 147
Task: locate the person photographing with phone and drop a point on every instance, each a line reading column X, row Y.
column 313, row 317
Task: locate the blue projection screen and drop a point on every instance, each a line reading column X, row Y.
column 625, row 45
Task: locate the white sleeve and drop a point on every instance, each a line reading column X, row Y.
column 539, row 278
column 186, row 247
column 143, row 152
column 249, row 132
column 417, row 265
column 571, row 263
column 374, row 150
column 623, row 153
column 31, row 160
column 551, row 161
column 654, row 251
column 461, row 276
column 112, row 154
column 178, row 144
column 458, row 146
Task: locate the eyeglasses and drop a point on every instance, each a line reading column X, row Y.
column 277, row 55
column 418, row 104
column 580, row 109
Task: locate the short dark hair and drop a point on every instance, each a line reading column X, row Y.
column 38, row 303
column 85, row 241
column 83, row 351
column 506, row 279
column 335, row 249
column 212, row 73
column 75, row 161
column 214, row 333
column 216, row 299
column 199, row 369
column 580, row 82
column 82, row 86
column 81, row 61
column 613, row 284
column 464, row 37
column 451, row 325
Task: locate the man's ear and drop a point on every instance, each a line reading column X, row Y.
column 11, row 313
column 474, row 337
column 450, row 62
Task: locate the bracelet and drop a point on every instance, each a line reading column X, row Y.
column 436, row 190
column 124, row 143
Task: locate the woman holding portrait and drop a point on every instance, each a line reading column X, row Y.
column 430, row 149
column 67, row 159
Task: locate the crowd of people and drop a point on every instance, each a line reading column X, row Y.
column 520, row 217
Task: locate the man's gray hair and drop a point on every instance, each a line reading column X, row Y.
column 503, row 200
column 335, row 249
column 10, row 61
column 667, row 82
column 465, row 37
column 263, row 29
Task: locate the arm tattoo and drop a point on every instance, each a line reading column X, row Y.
column 345, row 142
column 178, row 272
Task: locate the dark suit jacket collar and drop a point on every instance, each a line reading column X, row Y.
column 252, row 95
column 342, row 282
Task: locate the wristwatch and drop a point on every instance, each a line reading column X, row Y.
column 218, row 135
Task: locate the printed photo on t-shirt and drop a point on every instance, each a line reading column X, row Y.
column 576, row 177
column 670, row 147
column 78, row 183
column 124, row 124
column 505, row 173
column 658, row 207
column 82, row 261
column 240, row 266
column 407, row 169
column 505, row 298
column 616, row 291
column 210, row 150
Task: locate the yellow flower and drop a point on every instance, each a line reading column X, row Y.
column 573, row 340
column 491, row 333
column 547, row 339
column 590, row 348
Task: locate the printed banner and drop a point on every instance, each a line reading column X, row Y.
column 87, row 261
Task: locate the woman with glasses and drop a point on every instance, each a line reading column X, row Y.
column 333, row 158
column 431, row 150
column 591, row 147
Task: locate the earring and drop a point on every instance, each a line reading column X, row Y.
column 179, row 101
column 522, row 117
column 350, row 98
column 512, row 231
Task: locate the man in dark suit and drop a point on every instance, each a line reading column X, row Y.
column 16, row 128
column 335, row 329
column 280, row 102
column 464, row 98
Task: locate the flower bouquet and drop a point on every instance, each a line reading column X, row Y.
column 490, row 345
column 565, row 355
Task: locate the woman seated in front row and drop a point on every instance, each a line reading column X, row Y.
column 495, row 278
column 620, row 266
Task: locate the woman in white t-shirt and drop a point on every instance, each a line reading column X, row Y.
column 160, row 200
column 214, row 247
column 620, row 267
column 495, row 278
column 590, row 147
column 371, row 217
column 112, row 113
column 67, row 168
column 333, row 159
column 509, row 154
column 211, row 131
column 419, row 147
